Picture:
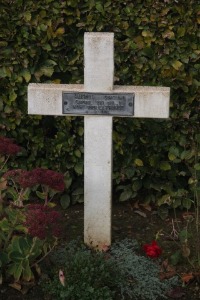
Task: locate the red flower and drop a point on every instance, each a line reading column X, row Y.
column 52, row 179
column 7, row 147
column 26, row 179
column 42, row 221
column 152, row 250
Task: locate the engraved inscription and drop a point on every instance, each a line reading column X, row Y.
column 98, row 104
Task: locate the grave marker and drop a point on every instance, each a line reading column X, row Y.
column 98, row 101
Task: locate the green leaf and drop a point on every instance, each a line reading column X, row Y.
column 15, row 269
column 78, row 191
column 21, row 228
column 181, row 31
column 175, row 258
column 79, row 168
column 26, row 74
column 187, row 154
column 138, row 162
column 99, row 7
column 163, row 212
column 80, row 131
column 171, row 156
column 77, row 153
column 16, row 256
column 41, row 195
column 165, row 199
column 136, row 185
column 12, row 96
column 27, row 273
column 18, row 271
column 27, row 16
column 65, row 201
column 183, row 235
column 197, row 167
column 165, row 166
column 47, row 70
column 5, row 225
column 125, row 195
column 187, row 203
column 60, row 31
column 177, row 65
column 197, row 138
column 147, row 33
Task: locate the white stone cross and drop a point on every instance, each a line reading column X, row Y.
column 149, row 102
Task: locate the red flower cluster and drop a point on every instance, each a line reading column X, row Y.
column 42, row 221
column 22, row 177
column 152, row 250
column 7, row 147
column 37, row 176
column 50, row 178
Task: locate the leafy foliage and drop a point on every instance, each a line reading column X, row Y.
column 156, row 43
column 27, row 233
column 93, row 275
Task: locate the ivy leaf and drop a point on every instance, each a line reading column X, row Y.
column 77, row 153
column 171, row 156
column 126, row 195
column 12, row 96
column 80, row 131
column 168, row 34
column 26, row 74
column 197, row 167
column 65, row 201
column 99, row 7
column 138, row 162
column 79, row 168
column 165, row 166
column 175, row 258
column 47, row 70
column 177, row 65
column 27, row 16
column 181, row 31
column 60, row 31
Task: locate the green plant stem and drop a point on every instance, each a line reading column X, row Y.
column 44, row 256
column 5, row 163
column 19, row 201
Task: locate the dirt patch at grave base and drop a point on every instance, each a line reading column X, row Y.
column 128, row 222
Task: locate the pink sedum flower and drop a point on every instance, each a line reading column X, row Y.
column 8, row 147
column 43, row 222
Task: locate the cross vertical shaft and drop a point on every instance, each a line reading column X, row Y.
column 98, row 77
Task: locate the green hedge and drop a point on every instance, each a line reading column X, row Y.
column 156, row 43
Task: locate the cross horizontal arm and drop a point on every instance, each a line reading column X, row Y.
column 150, row 102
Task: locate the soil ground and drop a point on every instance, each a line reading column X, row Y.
column 142, row 224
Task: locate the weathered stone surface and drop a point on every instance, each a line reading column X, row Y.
column 150, row 102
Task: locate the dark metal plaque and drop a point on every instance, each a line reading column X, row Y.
column 98, row 104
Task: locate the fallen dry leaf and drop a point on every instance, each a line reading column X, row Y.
column 186, row 277
column 142, row 214
column 146, row 206
column 185, row 250
column 16, row 286
column 61, row 277
column 3, row 183
column 166, row 271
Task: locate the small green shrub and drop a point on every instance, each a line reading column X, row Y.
column 141, row 273
column 88, row 275
column 121, row 272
